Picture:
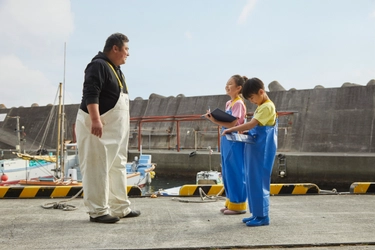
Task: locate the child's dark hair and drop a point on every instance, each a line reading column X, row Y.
column 252, row 86
column 239, row 80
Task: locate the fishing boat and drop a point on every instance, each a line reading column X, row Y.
column 140, row 172
column 41, row 170
column 32, row 170
column 209, row 177
column 16, row 169
column 62, row 169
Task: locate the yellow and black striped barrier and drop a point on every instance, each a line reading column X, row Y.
column 51, row 191
column 362, row 188
column 294, row 188
column 193, row 190
column 275, row 189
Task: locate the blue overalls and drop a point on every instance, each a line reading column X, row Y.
column 232, row 155
column 259, row 158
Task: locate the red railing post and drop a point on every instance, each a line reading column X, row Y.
column 139, row 135
column 218, row 138
column 178, row 136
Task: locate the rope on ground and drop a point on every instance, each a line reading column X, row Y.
column 333, row 191
column 204, row 197
column 62, row 204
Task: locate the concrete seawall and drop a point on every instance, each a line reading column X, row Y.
column 328, row 139
column 325, row 120
column 328, row 170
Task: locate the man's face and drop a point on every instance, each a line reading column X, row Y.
column 121, row 53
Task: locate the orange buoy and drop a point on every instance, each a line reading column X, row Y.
column 4, row 177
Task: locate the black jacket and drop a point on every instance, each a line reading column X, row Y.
column 101, row 85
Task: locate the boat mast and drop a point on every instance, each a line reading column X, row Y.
column 62, row 142
column 60, row 161
column 58, row 146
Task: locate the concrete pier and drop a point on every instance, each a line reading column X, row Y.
column 300, row 222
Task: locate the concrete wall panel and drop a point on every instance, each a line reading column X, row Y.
column 325, row 120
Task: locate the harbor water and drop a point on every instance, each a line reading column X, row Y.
column 163, row 182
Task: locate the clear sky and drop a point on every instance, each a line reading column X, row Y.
column 188, row 47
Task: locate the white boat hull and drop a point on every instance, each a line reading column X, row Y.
column 17, row 170
column 202, row 178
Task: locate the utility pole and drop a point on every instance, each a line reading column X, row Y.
column 18, row 131
column 18, row 146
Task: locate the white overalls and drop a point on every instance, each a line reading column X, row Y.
column 103, row 160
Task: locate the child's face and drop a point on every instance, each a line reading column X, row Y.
column 257, row 99
column 231, row 88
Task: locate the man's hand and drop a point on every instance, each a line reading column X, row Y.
column 97, row 128
column 96, row 123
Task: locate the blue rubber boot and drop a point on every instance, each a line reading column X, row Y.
column 258, row 221
column 244, row 220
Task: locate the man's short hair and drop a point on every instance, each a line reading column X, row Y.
column 117, row 39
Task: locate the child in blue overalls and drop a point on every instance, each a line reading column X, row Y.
column 232, row 152
column 260, row 155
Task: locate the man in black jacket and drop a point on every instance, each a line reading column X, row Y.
column 102, row 129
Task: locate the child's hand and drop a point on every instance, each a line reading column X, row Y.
column 226, row 131
column 208, row 116
column 208, row 113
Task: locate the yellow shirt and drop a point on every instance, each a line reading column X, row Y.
column 265, row 114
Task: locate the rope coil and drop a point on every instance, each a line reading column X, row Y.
column 62, row 204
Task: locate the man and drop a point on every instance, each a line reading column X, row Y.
column 102, row 129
